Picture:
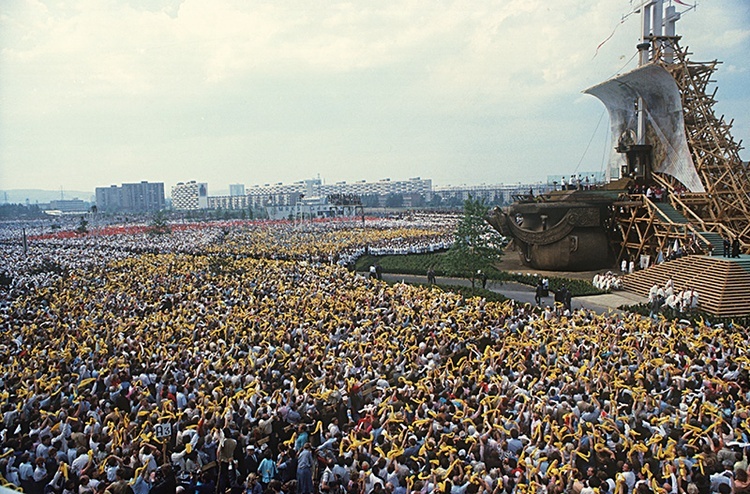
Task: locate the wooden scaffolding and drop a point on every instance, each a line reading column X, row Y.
column 698, row 221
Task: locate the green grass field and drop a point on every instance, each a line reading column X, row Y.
column 418, row 264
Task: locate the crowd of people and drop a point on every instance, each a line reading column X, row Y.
column 607, row 281
column 341, row 242
column 661, row 297
column 279, row 371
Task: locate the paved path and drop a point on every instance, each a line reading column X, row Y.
column 525, row 293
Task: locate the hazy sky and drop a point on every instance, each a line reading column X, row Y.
column 100, row 92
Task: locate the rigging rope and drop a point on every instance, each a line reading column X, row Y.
column 590, row 140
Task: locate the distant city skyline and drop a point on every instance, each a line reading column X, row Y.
column 93, row 94
column 226, row 189
column 20, row 195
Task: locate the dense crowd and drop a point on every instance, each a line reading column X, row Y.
column 339, row 242
column 277, row 370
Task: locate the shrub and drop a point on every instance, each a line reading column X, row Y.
column 417, row 264
column 578, row 288
column 468, row 292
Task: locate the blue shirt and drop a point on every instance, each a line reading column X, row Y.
column 305, row 459
column 267, row 470
column 141, row 486
column 301, row 440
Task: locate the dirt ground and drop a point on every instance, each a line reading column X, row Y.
column 512, row 262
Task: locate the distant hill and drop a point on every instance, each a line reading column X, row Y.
column 34, row 196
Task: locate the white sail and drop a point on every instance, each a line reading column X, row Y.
column 666, row 127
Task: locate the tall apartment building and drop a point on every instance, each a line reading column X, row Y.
column 228, row 202
column 236, row 190
column 280, row 194
column 382, row 187
column 190, row 196
column 108, row 199
column 69, row 205
column 491, row 194
column 141, row 197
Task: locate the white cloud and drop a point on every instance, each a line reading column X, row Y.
column 417, row 83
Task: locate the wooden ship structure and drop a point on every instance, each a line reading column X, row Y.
column 668, row 138
column 683, row 148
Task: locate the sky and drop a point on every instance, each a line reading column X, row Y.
column 101, row 92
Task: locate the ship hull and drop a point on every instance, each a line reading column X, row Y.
column 583, row 249
column 567, row 234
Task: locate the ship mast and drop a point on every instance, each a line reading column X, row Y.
column 668, row 135
column 657, row 26
column 670, row 31
column 651, row 30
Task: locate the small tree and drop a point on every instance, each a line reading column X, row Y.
column 370, row 200
column 477, row 246
column 394, row 201
column 159, row 224
column 83, row 226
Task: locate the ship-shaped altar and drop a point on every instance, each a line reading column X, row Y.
column 666, row 137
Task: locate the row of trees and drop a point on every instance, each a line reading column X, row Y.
column 21, row 211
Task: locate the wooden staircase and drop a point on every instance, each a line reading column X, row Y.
column 669, row 213
column 716, row 240
column 723, row 284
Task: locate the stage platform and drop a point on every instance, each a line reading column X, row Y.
column 722, row 283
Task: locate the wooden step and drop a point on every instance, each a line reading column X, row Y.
column 716, row 240
column 669, row 213
column 723, row 284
